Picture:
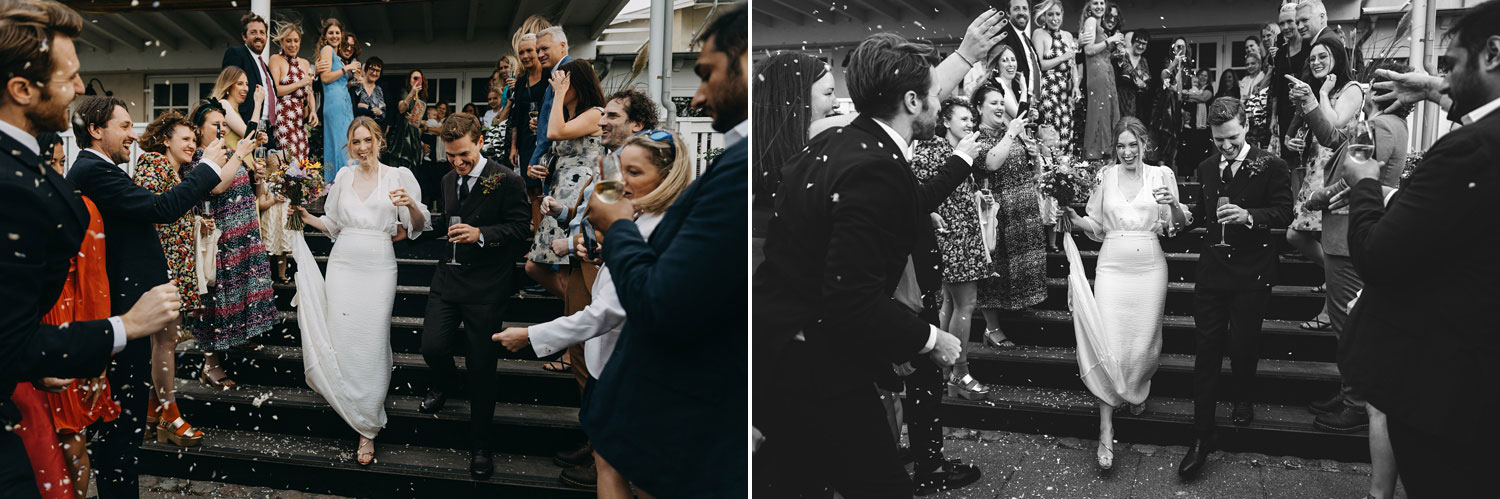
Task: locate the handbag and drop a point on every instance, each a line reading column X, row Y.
column 206, row 255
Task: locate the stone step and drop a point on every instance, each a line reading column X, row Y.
column 326, row 464
column 1279, row 339
column 1289, row 382
column 1278, row 430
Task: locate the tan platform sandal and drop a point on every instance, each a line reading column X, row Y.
column 172, row 428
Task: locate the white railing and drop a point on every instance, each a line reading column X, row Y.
column 70, row 147
column 699, row 138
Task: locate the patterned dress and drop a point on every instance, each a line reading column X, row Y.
column 1057, row 92
column 961, row 245
column 1309, row 220
column 577, row 159
column 1018, row 265
column 241, row 304
column 291, row 112
column 154, row 172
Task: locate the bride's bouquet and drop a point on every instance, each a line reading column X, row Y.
column 1068, row 182
column 302, row 182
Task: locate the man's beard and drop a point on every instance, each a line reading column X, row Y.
column 925, row 126
column 729, row 105
column 48, row 115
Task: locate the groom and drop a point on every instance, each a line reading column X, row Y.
column 491, row 201
column 1234, row 283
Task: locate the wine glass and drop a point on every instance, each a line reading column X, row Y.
column 1362, row 143
column 610, row 186
column 1164, row 212
column 1223, row 200
column 452, row 221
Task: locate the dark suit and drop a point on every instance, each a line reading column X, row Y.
column 477, row 291
column 677, row 429
column 1233, row 285
column 46, row 220
column 1028, row 62
column 1426, row 326
column 135, row 263
column 240, row 56
column 835, row 253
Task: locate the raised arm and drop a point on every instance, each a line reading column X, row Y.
column 982, row 35
column 583, row 125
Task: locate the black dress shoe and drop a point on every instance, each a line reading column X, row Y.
column 1244, row 414
column 1348, row 420
column 1329, row 406
column 1196, row 457
column 433, row 402
column 576, row 457
column 583, row 477
column 948, row 475
column 481, row 464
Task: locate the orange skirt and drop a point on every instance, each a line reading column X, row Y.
column 85, row 297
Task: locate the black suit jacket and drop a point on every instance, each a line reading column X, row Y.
column 503, row 217
column 1250, row 262
column 1425, row 330
column 1028, row 62
column 240, row 56
column 45, row 221
column 676, row 430
column 849, row 213
column 135, row 261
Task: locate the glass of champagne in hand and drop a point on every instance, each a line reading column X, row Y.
column 1362, row 143
column 610, row 186
column 1223, row 200
column 452, row 221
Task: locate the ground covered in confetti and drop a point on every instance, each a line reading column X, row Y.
column 1024, row 466
column 155, row 487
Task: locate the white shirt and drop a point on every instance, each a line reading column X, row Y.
column 1481, row 112
column 262, row 67
column 474, row 179
column 29, row 142
column 737, row 134
column 1238, row 160
column 597, row 325
column 489, row 117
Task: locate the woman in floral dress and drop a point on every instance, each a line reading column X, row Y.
column 241, row 305
column 294, row 98
column 574, row 129
column 1058, row 49
column 1017, row 270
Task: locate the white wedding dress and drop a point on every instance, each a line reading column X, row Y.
column 345, row 320
column 1118, row 323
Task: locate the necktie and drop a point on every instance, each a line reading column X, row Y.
column 463, row 188
column 1228, row 174
column 269, row 113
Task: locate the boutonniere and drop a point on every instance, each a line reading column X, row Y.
column 1256, row 165
column 490, row 183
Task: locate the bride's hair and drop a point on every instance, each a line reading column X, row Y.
column 1135, row 127
column 367, row 123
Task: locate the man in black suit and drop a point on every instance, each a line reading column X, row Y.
column 850, row 220
column 248, row 58
column 1233, row 285
column 46, row 221
column 491, row 200
column 134, row 260
column 1424, row 353
column 1018, row 37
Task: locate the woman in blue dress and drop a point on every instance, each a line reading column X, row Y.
column 338, row 110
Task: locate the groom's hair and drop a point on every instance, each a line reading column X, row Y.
column 459, row 125
column 883, row 68
column 1224, row 110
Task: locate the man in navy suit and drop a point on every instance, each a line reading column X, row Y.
column 134, row 260
column 46, row 221
column 248, row 58
column 675, row 431
column 552, row 51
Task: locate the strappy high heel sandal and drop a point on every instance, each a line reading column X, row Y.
column 989, row 339
column 172, row 428
column 223, row 383
column 968, row 388
column 365, row 456
column 1106, row 451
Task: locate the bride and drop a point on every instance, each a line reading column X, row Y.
column 346, row 322
column 1118, row 326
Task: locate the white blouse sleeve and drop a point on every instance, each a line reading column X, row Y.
column 1093, row 220
column 332, row 218
column 413, row 190
column 1170, row 178
column 605, row 314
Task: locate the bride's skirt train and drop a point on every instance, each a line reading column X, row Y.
column 1118, row 322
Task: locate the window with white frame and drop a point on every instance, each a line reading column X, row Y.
column 177, row 93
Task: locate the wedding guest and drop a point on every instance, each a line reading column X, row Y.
column 1167, row 112
column 838, row 416
column 1347, row 410
column 1420, row 347
column 1312, row 23
column 1289, row 59
column 350, row 306
column 552, row 53
column 1057, row 49
column 1133, row 75
column 1233, row 285
column 241, row 305
column 1117, row 355
column 1253, row 46
column 369, row 96
column 656, row 169
column 1197, row 141
column 248, row 59
column 1229, row 84
column 1340, row 99
column 526, row 99
column 135, row 262
column 1028, row 63
column 231, row 90
column 349, row 52
column 1255, row 92
column 474, row 285
column 792, row 90
column 573, row 136
column 404, row 145
column 295, row 100
column 334, row 74
column 1103, row 103
column 1017, row 272
column 169, row 144
column 683, row 445
column 964, row 256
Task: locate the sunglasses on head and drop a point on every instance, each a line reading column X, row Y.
column 662, row 136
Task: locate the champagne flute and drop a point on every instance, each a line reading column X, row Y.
column 452, row 221
column 1223, row 200
column 1164, row 212
column 1362, row 143
column 610, row 186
